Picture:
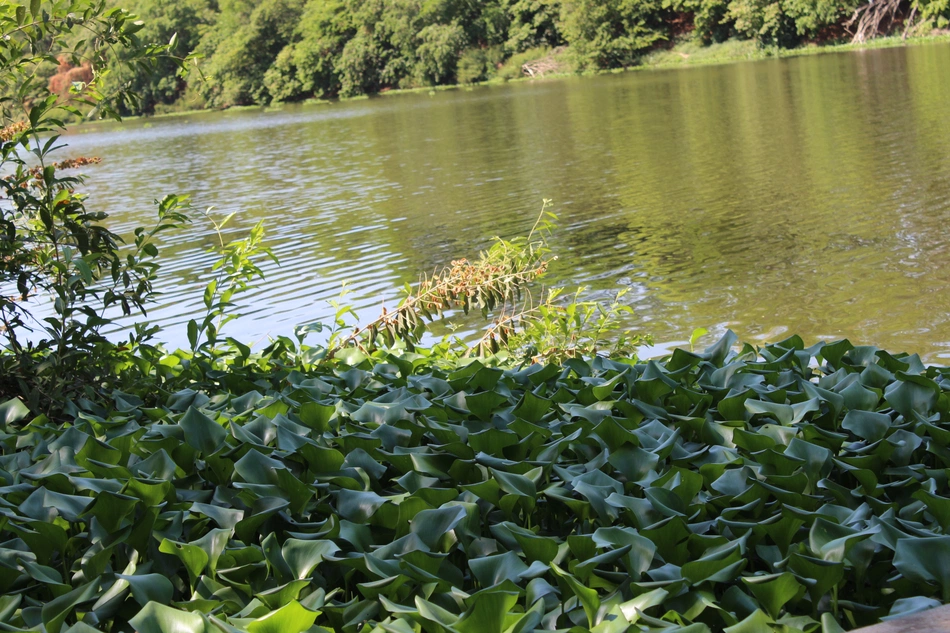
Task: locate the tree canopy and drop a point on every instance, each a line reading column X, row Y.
column 260, row 51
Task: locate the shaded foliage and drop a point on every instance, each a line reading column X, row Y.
column 63, row 273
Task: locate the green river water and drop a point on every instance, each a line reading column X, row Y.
column 807, row 195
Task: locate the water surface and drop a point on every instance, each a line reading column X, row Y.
column 807, row 195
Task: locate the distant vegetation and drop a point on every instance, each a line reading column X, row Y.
column 261, row 51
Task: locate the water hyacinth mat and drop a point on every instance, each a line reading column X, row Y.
column 779, row 489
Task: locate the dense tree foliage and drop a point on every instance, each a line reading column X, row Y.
column 259, row 51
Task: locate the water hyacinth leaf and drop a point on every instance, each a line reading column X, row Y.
column 110, row 509
column 757, row 622
column 359, row 506
column 773, row 591
column 642, row 550
column 532, row 407
column 665, row 502
column 537, row 548
column 913, row 394
column 782, row 413
column 514, row 484
column 292, row 618
column 831, row 542
column 487, row 613
column 925, row 560
column 12, row 410
column 80, row 627
column 718, row 351
column 632, row 608
column 431, row 525
column 194, row 558
column 588, row 598
column 829, row 624
column 316, row 416
column 482, row 405
column 159, row 618
column 818, row 459
column 304, row 556
column 714, row 570
column 256, row 468
column 55, row 612
column 149, row 588
column 867, row 425
column 9, row 605
column 910, row 606
column 820, row 575
column 494, row 570
column 225, row 518
column 201, row 432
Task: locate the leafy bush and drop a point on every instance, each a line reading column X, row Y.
column 478, row 64
column 438, row 52
column 934, row 14
column 610, row 33
column 533, row 23
column 238, row 64
column 65, row 275
column 787, row 488
column 309, row 65
column 761, row 20
column 185, row 21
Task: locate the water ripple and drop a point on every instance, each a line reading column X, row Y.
column 808, row 195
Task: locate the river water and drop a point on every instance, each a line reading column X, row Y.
column 807, row 195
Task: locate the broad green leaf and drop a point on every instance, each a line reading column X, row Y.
column 292, row 618
column 487, row 612
column 12, row 410
column 925, row 560
column 55, row 612
column 757, row 622
column 201, row 432
column 193, row 557
column 588, row 598
column 773, row 591
column 149, row 588
column 158, row 618
column 304, row 556
column 867, row 425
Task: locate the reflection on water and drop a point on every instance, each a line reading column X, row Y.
column 806, row 195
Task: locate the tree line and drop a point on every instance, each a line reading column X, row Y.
column 261, row 51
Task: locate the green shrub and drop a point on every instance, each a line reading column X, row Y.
column 239, row 60
column 65, row 274
column 478, row 64
column 186, row 21
column 533, row 24
column 934, row 14
column 610, row 33
column 438, row 52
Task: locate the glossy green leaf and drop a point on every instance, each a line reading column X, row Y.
column 159, row 618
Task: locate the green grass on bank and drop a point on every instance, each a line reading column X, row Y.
column 693, row 53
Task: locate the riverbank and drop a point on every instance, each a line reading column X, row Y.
column 682, row 55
